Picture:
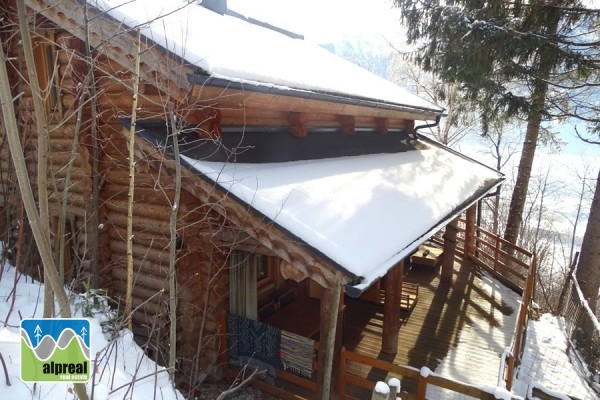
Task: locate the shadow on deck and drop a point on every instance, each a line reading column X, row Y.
column 443, row 313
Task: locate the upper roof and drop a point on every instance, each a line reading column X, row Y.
column 232, row 50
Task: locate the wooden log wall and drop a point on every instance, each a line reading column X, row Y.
column 201, row 283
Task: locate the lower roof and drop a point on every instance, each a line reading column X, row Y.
column 362, row 213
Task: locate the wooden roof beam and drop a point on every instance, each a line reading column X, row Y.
column 347, row 123
column 297, row 121
column 242, row 99
column 383, row 125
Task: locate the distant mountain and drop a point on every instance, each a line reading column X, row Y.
column 372, row 53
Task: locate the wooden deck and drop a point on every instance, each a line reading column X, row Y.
column 444, row 315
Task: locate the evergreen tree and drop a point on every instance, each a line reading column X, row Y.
column 511, row 58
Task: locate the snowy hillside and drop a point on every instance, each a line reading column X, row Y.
column 119, row 361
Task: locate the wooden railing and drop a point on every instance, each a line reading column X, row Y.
column 520, row 332
column 513, row 266
column 308, row 386
column 423, row 378
column 507, row 262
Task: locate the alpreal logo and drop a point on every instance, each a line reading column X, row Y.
column 55, row 350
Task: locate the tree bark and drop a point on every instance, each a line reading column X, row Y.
column 40, row 234
column 95, row 154
column 130, row 193
column 173, row 251
column 519, row 195
column 42, row 135
column 534, row 120
column 588, row 270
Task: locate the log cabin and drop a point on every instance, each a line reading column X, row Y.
column 304, row 180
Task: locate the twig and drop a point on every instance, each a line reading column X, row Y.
column 5, row 370
column 239, row 386
column 137, row 380
column 14, row 297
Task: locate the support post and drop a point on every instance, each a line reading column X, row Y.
column 449, row 250
column 470, row 232
column 391, row 309
column 331, row 341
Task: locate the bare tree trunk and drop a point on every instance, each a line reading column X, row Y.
column 95, row 155
column 577, row 215
column 588, row 270
column 129, row 290
column 519, row 195
column 62, row 217
column 173, row 251
column 42, row 135
column 39, row 233
column 538, row 103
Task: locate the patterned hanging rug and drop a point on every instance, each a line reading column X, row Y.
column 253, row 344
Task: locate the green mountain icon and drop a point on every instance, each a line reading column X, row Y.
column 68, row 364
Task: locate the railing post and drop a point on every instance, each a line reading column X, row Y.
column 421, row 387
column 496, row 253
column 510, row 368
column 449, row 251
column 342, row 378
column 470, row 231
column 522, row 320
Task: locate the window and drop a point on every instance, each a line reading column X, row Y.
column 251, row 277
column 262, row 267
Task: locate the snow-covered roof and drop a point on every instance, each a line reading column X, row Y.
column 362, row 213
column 231, row 49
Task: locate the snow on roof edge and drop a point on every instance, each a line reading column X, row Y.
column 216, row 80
column 356, row 290
column 258, row 213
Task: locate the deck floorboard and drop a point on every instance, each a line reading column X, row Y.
column 445, row 314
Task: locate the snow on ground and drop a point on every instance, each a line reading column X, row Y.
column 118, row 360
column 547, row 361
column 480, row 342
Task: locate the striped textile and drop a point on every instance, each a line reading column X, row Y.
column 297, row 354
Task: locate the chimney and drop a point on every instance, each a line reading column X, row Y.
column 218, row 6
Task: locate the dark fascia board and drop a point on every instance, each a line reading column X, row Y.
column 202, row 79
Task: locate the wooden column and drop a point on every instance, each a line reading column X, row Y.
column 391, row 309
column 470, row 231
column 449, row 250
column 331, row 340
